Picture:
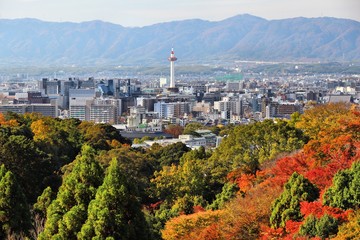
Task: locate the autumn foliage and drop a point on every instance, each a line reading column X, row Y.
column 334, row 145
column 276, row 179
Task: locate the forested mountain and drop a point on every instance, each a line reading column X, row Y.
column 243, row 37
column 67, row 179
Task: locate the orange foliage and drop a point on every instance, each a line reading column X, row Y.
column 8, row 123
column 246, row 182
column 209, row 233
column 197, row 209
column 244, row 216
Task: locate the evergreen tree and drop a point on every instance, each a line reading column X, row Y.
column 324, row 227
column 308, row 228
column 43, row 202
column 115, row 213
column 68, row 211
column 14, row 210
column 21, row 156
column 228, row 191
column 287, row 206
column 345, row 193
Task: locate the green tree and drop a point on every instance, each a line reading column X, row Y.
column 308, row 228
column 324, row 227
column 68, row 211
column 248, row 146
column 190, row 128
column 60, row 139
column 170, row 154
column 344, row 192
column 138, row 166
column 175, row 181
column 43, row 202
column 21, row 156
column 287, row 205
column 14, row 210
column 115, row 213
column 100, row 136
column 229, row 191
column 39, row 211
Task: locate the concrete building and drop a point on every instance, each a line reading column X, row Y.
column 47, row 109
column 78, row 101
column 103, row 110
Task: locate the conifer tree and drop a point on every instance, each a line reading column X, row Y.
column 345, row 191
column 115, row 212
column 67, row 213
column 287, row 206
column 14, row 210
column 43, row 202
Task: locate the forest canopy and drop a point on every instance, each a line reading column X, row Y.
column 275, row 179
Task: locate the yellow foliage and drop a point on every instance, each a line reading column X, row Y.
column 181, row 227
column 350, row 229
column 41, row 131
column 324, row 120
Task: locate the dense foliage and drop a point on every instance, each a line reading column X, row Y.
column 67, row 179
column 345, row 191
column 287, row 206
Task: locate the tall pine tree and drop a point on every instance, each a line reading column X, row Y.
column 116, row 212
column 68, row 212
column 14, row 210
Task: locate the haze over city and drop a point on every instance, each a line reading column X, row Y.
column 143, row 12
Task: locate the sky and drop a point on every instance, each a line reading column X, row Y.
column 137, row 13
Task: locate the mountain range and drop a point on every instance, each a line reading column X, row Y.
column 242, row 37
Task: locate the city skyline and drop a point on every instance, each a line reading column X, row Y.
column 144, row 13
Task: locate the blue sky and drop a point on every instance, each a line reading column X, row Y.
column 147, row 12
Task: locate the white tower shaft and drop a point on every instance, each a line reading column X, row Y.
column 172, row 74
column 172, row 60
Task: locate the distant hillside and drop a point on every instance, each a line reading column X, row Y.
column 243, row 37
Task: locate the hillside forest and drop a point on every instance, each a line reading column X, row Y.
column 276, row 179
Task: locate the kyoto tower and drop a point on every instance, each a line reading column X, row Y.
column 172, row 60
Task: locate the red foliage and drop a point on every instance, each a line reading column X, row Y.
column 286, row 166
column 154, row 206
column 314, row 208
column 234, row 174
column 270, row 233
column 197, row 209
column 318, row 210
column 292, row 227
